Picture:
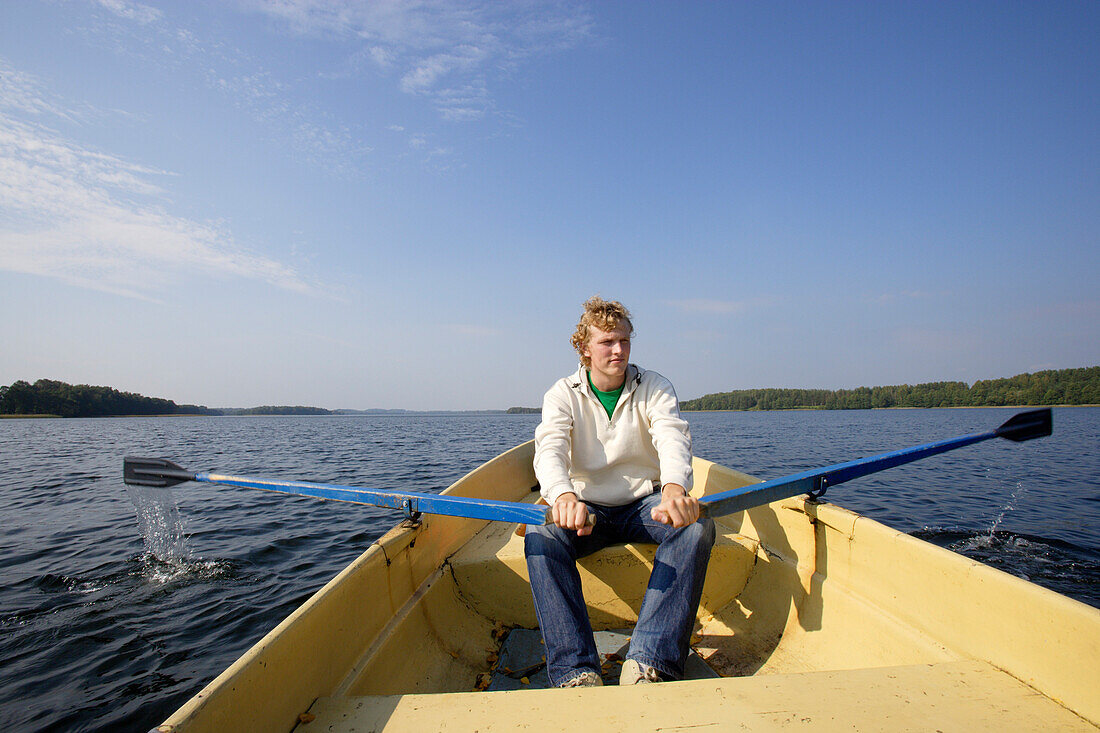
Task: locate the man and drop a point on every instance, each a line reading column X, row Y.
column 612, row 444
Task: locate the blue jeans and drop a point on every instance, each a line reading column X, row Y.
column 663, row 631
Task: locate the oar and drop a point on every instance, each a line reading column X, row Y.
column 162, row 473
column 1021, row 427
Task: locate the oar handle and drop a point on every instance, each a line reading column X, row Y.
column 589, row 521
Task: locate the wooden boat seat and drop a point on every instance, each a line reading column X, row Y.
column 491, row 574
column 967, row 695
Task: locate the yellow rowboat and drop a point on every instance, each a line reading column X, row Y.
column 814, row 617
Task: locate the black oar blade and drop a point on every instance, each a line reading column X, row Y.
column 1027, row 425
column 153, row 472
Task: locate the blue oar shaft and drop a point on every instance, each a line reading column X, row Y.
column 746, row 497
column 413, row 501
column 162, row 472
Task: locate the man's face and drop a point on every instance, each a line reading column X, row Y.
column 609, row 352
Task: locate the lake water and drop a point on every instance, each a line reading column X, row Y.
column 117, row 605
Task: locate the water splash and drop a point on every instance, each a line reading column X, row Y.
column 167, row 556
column 984, row 544
column 1013, row 499
column 159, row 521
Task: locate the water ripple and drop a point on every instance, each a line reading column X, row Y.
column 115, row 607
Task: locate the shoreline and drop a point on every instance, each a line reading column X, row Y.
column 467, row 413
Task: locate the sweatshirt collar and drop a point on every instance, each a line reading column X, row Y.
column 633, row 379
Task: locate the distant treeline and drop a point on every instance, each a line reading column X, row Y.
column 523, row 411
column 1054, row 387
column 50, row 397
column 271, row 410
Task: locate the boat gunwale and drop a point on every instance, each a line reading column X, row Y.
column 396, row 543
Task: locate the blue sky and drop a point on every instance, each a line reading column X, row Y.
column 403, row 204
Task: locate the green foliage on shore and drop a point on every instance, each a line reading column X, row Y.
column 275, row 410
column 50, row 397
column 1053, row 387
column 523, row 411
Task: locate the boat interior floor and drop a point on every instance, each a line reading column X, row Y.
column 521, row 663
column 968, row 696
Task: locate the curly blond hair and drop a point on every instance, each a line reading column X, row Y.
column 606, row 315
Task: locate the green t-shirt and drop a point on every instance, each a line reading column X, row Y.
column 607, row 399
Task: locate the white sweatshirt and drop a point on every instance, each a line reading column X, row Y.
column 613, row 461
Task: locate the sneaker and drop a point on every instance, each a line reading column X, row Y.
column 636, row 673
column 584, row 679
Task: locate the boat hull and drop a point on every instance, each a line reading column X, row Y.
column 835, row 616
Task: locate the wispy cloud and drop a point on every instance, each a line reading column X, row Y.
column 95, row 220
column 442, row 50
column 138, row 12
column 718, row 307
column 449, row 53
column 22, row 93
column 315, row 136
column 309, row 135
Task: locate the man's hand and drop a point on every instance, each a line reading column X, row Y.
column 677, row 507
column 569, row 512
